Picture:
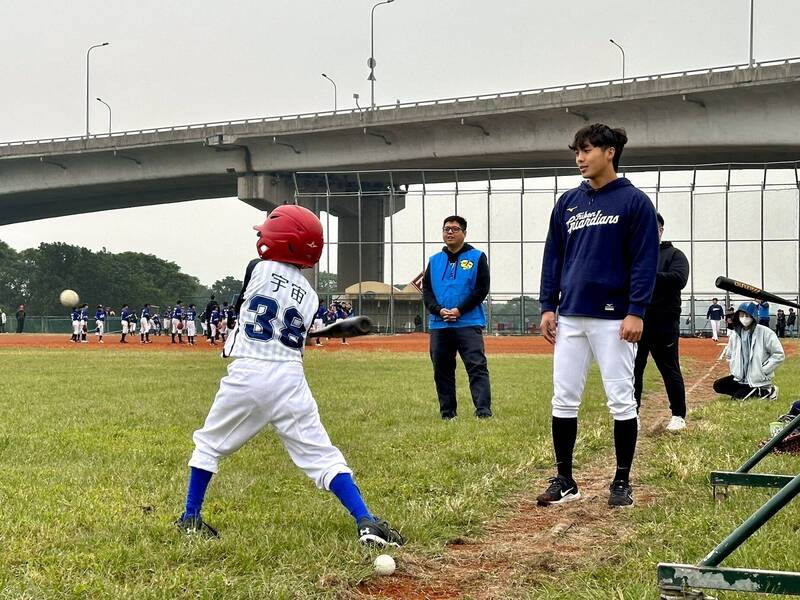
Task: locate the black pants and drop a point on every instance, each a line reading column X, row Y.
column 728, row 386
column 662, row 343
column 20, row 324
column 468, row 342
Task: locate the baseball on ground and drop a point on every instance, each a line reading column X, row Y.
column 69, row 298
column 384, row 565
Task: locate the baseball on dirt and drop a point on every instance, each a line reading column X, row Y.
column 69, row 298
column 384, row 565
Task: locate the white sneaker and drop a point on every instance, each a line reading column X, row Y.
column 676, row 424
column 773, row 395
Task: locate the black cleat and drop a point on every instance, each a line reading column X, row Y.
column 378, row 533
column 196, row 526
column 560, row 491
column 621, row 494
column 484, row 413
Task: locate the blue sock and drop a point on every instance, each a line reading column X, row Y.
column 344, row 488
column 198, row 483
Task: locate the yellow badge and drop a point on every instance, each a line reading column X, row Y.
column 466, row 264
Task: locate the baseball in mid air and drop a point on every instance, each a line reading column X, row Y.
column 384, row 565
column 69, row 298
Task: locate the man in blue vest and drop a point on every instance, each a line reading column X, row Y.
column 455, row 284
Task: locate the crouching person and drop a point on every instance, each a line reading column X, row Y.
column 753, row 353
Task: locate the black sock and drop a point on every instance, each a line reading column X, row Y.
column 564, row 433
column 625, row 433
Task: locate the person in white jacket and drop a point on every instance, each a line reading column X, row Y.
column 754, row 353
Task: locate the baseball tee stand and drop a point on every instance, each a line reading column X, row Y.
column 677, row 581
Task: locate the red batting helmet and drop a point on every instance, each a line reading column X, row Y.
column 291, row 234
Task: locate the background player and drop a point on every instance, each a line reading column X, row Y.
column 84, row 322
column 75, row 318
column 213, row 323
column 177, row 322
column 222, row 324
column 319, row 322
column 714, row 315
column 124, row 313
column 598, row 272
column 100, row 323
column 266, row 383
column 191, row 326
column 144, row 324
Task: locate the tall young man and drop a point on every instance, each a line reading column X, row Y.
column 598, row 274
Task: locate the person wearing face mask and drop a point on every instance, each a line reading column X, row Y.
column 754, row 353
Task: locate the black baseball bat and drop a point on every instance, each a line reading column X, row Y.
column 745, row 289
column 352, row 327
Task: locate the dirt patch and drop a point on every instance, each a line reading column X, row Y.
column 530, row 544
column 703, row 349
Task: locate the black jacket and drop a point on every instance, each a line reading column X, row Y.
column 479, row 292
column 672, row 276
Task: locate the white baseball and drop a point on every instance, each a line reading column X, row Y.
column 69, row 298
column 384, row 565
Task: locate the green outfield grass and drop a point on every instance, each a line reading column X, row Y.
column 94, row 470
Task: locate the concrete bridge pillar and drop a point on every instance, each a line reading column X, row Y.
column 360, row 207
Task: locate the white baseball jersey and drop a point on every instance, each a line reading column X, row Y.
column 276, row 309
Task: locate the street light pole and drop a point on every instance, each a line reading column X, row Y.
column 87, row 82
column 623, row 58
column 371, row 62
column 334, row 90
column 751, row 62
column 109, row 113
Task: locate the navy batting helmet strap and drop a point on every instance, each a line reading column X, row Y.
column 291, row 234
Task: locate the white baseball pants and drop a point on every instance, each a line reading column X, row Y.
column 76, row 328
column 191, row 328
column 257, row 393
column 174, row 324
column 715, row 329
column 126, row 327
column 578, row 340
column 144, row 324
column 100, row 327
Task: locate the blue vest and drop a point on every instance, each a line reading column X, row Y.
column 451, row 284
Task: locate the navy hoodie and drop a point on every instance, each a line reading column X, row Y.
column 601, row 254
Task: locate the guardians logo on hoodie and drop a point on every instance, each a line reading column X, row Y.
column 590, row 219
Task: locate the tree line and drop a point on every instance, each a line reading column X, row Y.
column 36, row 276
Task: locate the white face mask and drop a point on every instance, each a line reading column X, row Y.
column 746, row 320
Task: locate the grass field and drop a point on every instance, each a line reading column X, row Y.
column 94, row 472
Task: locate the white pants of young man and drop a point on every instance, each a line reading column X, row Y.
column 578, row 340
column 126, row 327
column 174, row 324
column 191, row 328
column 715, row 330
column 100, row 327
column 257, row 393
column 144, row 324
column 76, row 328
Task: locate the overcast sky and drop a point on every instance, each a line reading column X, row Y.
column 173, row 62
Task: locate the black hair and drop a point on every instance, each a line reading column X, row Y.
column 601, row 136
column 660, row 219
column 715, row 299
column 455, row 218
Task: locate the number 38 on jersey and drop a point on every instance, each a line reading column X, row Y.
column 271, row 322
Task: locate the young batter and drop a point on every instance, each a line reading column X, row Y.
column 266, row 384
column 598, row 272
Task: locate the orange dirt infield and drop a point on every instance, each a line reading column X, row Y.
column 413, row 342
